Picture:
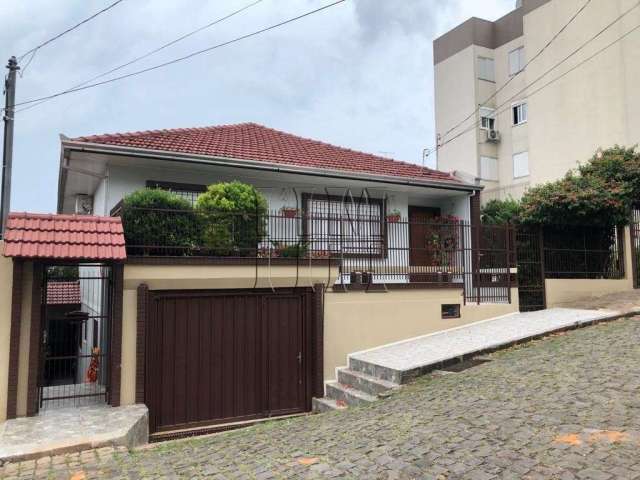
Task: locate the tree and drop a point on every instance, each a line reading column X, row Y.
column 500, row 212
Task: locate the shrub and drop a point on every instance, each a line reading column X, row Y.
column 235, row 216
column 500, row 212
column 576, row 200
column 160, row 218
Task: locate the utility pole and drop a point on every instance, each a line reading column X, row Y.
column 7, row 151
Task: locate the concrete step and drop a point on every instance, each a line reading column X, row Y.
column 321, row 405
column 366, row 383
column 376, row 371
column 347, row 394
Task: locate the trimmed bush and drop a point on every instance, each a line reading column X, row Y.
column 235, row 215
column 155, row 218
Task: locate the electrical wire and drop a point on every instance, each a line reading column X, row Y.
column 181, row 59
column 70, row 29
column 556, row 65
column 149, row 53
column 549, row 83
column 533, row 59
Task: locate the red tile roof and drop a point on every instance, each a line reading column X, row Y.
column 77, row 237
column 250, row 141
column 63, row 293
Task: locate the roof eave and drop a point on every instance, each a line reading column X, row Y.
column 73, row 145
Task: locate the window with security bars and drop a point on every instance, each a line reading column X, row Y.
column 190, row 192
column 352, row 228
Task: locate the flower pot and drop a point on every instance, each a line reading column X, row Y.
column 289, row 212
column 393, row 218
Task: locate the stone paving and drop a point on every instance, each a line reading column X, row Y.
column 73, row 429
column 565, row 407
column 456, row 342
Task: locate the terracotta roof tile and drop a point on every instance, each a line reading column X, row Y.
column 63, row 293
column 76, row 237
column 253, row 142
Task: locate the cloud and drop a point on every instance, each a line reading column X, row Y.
column 358, row 75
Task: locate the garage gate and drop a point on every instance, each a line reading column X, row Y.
column 216, row 357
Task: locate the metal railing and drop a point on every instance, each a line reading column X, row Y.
column 583, row 252
column 370, row 251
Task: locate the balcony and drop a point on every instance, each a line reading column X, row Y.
column 370, row 252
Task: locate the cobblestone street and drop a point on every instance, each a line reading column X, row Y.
column 563, row 407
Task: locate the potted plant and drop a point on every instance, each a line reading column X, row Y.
column 289, row 212
column 393, row 216
column 441, row 241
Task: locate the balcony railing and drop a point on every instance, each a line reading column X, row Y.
column 368, row 250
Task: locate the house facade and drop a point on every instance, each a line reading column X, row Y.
column 529, row 126
column 385, row 251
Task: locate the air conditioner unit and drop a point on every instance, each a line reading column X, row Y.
column 84, row 205
column 493, row 136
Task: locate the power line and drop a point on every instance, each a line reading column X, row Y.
column 549, row 83
column 151, row 52
column 565, row 59
column 70, row 29
column 533, row 59
column 186, row 57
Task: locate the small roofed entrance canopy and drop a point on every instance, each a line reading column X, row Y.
column 64, row 237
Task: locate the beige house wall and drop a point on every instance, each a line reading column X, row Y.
column 357, row 321
column 6, row 287
column 563, row 291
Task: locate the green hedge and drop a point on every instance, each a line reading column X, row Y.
column 154, row 217
column 235, row 218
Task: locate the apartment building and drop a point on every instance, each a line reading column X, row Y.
column 527, row 126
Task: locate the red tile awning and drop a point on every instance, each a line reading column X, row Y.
column 70, row 237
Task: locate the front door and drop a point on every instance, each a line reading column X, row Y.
column 420, row 255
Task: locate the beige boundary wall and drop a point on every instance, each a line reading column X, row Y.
column 6, row 286
column 198, row 277
column 357, row 321
column 352, row 321
column 562, row 291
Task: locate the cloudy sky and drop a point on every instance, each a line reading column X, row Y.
column 358, row 75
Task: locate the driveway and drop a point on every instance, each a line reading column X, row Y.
column 564, row 407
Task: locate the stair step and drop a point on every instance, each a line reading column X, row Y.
column 366, row 383
column 321, row 405
column 346, row 393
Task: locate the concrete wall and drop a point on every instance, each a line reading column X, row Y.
column 6, row 285
column 563, row 291
column 181, row 277
column 353, row 321
column 357, row 321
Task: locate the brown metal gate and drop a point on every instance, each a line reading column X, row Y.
column 635, row 245
column 217, row 357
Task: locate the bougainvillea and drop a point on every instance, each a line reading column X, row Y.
column 599, row 193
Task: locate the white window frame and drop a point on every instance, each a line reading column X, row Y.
column 483, row 173
column 488, row 114
column 520, row 174
column 518, row 55
column 521, row 109
column 492, row 76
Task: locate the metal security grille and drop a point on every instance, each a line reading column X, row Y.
column 635, row 245
column 530, row 262
column 76, row 308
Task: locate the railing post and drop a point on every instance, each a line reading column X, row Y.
column 508, row 259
